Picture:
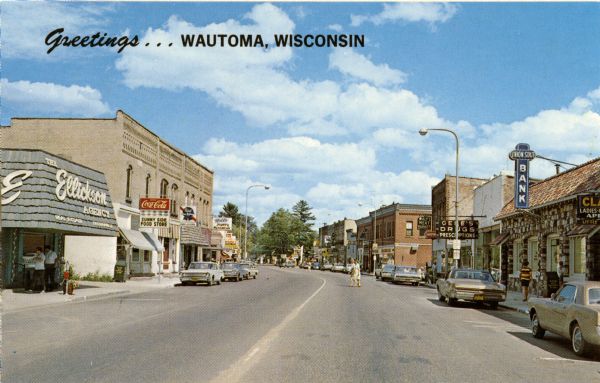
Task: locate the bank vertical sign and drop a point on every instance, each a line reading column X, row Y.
column 522, row 155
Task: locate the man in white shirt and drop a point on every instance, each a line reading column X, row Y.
column 49, row 268
column 38, row 273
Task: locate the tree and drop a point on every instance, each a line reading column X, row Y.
column 239, row 223
column 284, row 230
column 304, row 212
column 232, row 211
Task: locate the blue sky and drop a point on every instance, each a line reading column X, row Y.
column 332, row 126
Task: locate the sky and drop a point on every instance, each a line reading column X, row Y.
column 337, row 127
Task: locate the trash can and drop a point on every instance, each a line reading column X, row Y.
column 119, row 272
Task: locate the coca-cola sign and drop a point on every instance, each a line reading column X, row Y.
column 155, row 204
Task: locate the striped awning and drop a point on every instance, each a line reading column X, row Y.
column 499, row 240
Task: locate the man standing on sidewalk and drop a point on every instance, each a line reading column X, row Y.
column 38, row 273
column 525, row 277
column 49, row 268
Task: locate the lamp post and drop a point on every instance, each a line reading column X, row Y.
column 423, row 132
column 246, row 215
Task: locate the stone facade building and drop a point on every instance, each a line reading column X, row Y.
column 394, row 230
column 549, row 232
column 137, row 163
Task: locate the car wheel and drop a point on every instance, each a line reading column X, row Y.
column 579, row 345
column 441, row 298
column 494, row 305
column 237, row 279
column 211, row 281
column 452, row 301
column 255, row 276
column 536, row 329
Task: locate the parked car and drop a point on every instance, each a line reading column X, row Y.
column 316, row 266
column 202, row 272
column 472, row 286
column 387, row 272
column 327, row 266
column 338, row 268
column 378, row 272
column 407, row 274
column 572, row 312
column 251, row 268
column 290, row 264
column 234, row 271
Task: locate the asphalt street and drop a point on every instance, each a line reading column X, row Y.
column 289, row 325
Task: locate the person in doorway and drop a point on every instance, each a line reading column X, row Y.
column 38, row 273
column 525, row 278
column 561, row 273
column 49, row 268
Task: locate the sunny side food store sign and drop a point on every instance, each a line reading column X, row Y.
column 154, row 212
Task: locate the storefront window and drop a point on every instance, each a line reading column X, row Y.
column 553, row 254
column 578, row 250
column 146, row 256
column 517, row 249
column 148, row 178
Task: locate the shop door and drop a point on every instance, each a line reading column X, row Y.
column 166, row 255
column 147, row 262
column 136, row 262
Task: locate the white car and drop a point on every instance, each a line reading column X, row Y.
column 338, row 268
column 202, row 272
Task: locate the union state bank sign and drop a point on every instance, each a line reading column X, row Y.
column 43, row 191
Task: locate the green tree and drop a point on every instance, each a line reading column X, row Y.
column 232, row 211
column 282, row 231
column 304, row 212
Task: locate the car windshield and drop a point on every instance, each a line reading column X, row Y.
column 594, row 296
column 230, row 266
column 389, row 268
column 411, row 270
column 480, row 275
column 200, row 266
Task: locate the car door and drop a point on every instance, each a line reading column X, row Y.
column 559, row 308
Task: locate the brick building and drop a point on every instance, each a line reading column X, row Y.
column 443, row 198
column 397, row 236
column 137, row 163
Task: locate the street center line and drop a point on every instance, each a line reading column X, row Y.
column 238, row 369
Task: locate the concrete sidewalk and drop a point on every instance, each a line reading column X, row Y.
column 514, row 301
column 19, row 299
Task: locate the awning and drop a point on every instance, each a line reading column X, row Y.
column 499, row 240
column 582, row 230
column 142, row 240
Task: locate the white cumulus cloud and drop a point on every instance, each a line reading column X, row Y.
column 356, row 65
column 43, row 97
column 409, row 12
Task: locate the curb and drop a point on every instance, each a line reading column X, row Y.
column 517, row 309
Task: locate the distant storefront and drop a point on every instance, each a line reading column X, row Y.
column 552, row 231
column 50, row 201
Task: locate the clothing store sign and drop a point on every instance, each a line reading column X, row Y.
column 588, row 209
column 522, row 155
column 40, row 190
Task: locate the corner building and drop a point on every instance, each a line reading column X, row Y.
column 137, row 163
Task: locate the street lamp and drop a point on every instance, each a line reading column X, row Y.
column 267, row 187
column 423, row 132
